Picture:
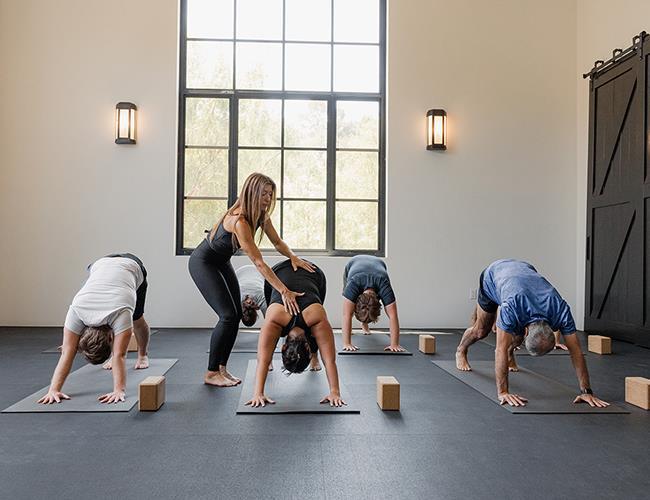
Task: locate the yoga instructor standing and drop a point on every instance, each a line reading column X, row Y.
column 215, row 277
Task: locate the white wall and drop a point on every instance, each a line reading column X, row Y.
column 602, row 26
column 504, row 70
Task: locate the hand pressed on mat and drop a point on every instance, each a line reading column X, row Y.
column 259, row 400
column 591, row 400
column 333, row 400
column 53, row 397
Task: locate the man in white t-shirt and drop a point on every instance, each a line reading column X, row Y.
column 103, row 315
column 251, row 287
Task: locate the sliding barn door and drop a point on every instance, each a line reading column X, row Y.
column 618, row 204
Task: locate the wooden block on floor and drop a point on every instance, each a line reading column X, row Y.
column 387, row 393
column 599, row 344
column 427, row 344
column 151, row 393
column 637, row 392
column 133, row 344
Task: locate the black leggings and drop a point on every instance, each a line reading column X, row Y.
column 217, row 282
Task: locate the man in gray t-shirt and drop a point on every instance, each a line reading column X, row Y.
column 251, row 286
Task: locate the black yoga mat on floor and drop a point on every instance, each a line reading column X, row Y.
column 296, row 393
column 491, row 340
column 544, row 394
column 369, row 344
column 55, row 349
column 86, row 384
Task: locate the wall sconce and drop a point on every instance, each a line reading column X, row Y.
column 436, row 129
column 125, row 123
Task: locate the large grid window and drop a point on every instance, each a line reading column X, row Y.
column 294, row 89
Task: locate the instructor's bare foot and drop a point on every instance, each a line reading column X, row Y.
column 461, row 362
column 228, row 375
column 217, row 379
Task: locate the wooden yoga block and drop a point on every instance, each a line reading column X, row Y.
column 599, row 344
column 427, row 344
column 133, row 344
column 637, row 392
column 388, row 393
column 151, row 393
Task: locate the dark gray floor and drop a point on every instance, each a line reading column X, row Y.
column 447, row 442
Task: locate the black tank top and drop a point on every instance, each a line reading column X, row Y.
column 221, row 244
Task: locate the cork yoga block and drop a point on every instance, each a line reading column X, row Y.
column 427, row 344
column 151, row 393
column 599, row 344
column 637, row 392
column 133, row 344
column 388, row 393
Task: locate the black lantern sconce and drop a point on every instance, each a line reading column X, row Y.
column 436, row 129
column 125, row 123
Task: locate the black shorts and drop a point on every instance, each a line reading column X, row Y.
column 141, row 292
column 487, row 304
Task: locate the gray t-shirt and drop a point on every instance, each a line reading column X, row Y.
column 251, row 283
column 108, row 297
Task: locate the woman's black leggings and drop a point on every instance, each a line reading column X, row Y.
column 217, row 282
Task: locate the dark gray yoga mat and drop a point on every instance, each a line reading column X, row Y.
column 247, row 342
column 491, row 340
column 55, row 349
column 297, row 393
column 544, row 394
column 86, row 384
column 369, row 344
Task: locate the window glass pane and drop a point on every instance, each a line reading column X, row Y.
column 206, row 122
column 275, row 218
column 259, row 66
column 199, row 216
column 357, row 175
column 307, row 67
column 305, row 124
column 206, row 172
column 209, row 65
column 264, row 161
column 260, row 122
column 210, row 18
column 357, row 124
column 356, row 68
column 356, row 225
column 308, row 20
column 304, row 224
column 356, row 21
column 305, row 174
column 259, row 19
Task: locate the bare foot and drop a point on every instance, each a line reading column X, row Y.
column 109, row 364
column 314, row 364
column 271, row 366
column 365, row 329
column 512, row 365
column 142, row 363
column 461, row 362
column 217, row 379
column 228, row 375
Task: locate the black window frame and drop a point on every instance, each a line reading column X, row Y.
column 331, row 97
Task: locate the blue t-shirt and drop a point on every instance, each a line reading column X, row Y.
column 524, row 296
column 366, row 271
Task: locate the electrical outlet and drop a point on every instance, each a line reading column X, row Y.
column 472, row 293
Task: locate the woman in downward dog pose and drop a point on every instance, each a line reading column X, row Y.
column 306, row 334
column 213, row 274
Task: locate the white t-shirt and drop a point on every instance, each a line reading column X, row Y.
column 251, row 283
column 108, row 297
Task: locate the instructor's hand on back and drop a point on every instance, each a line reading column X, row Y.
column 297, row 262
column 289, row 301
column 259, row 400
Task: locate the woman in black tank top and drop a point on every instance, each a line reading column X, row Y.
column 215, row 277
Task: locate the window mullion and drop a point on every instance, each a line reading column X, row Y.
column 331, row 174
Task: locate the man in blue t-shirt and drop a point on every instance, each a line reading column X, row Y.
column 365, row 285
column 527, row 309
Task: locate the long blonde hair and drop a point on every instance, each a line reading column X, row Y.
column 249, row 206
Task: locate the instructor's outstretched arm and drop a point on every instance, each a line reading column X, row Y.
column 577, row 358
